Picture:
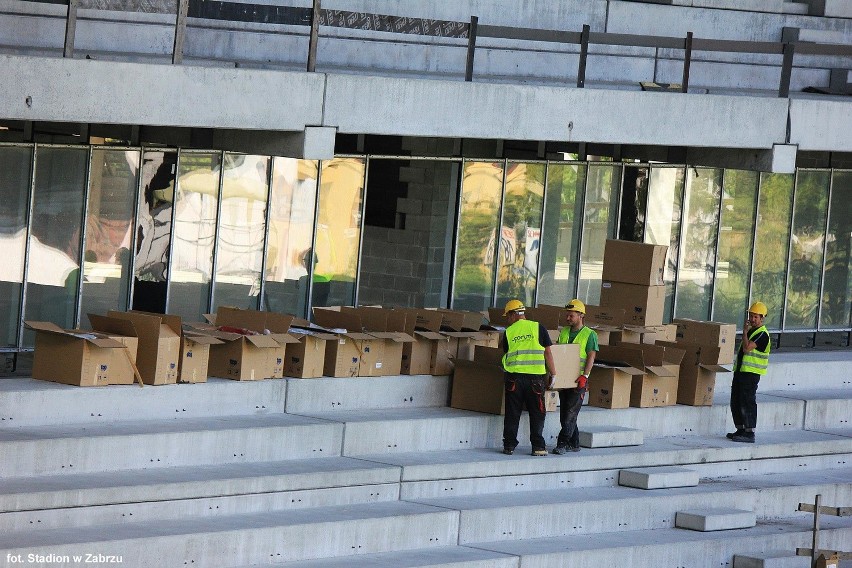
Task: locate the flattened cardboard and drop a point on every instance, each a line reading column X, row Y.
column 634, row 263
column 72, row 357
column 609, row 385
column 195, row 357
column 479, row 387
column 159, row 345
column 643, row 305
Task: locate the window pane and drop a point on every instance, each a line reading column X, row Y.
column 338, row 231
column 700, row 226
column 563, row 209
column 291, row 221
column 521, row 233
column 242, row 225
column 809, row 209
column 194, row 230
column 406, row 254
column 154, row 230
column 15, row 166
column 733, row 269
column 837, row 288
column 54, row 270
column 599, row 218
column 771, row 244
column 634, row 197
column 662, row 225
column 482, row 187
column 109, row 222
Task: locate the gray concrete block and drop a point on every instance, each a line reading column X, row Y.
column 715, row 519
column 362, row 393
column 610, row 436
column 658, row 478
column 774, row 559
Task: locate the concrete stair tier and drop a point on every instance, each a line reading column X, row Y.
column 379, row 472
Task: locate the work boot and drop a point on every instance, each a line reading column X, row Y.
column 747, row 437
column 539, row 452
column 739, row 432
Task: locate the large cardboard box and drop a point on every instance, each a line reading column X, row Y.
column 711, row 334
column 657, row 386
column 370, row 345
column 566, row 357
column 478, row 386
column 159, row 345
column 306, row 358
column 634, row 263
column 698, row 369
column 390, row 327
column 458, row 320
column 643, row 305
column 75, row 357
column 551, row 317
column 123, row 331
column 243, row 357
column 195, row 357
column 606, row 333
column 417, row 355
column 609, row 385
column 605, row 315
column 351, row 354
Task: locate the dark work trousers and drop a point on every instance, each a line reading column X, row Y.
column 522, row 388
column 744, row 399
column 570, row 403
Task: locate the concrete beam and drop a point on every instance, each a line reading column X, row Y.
column 821, row 125
column 313, row 143
column 781, row 158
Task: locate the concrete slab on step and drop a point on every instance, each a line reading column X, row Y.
column 658, row 477
column 610, row 437
column 772, row 559
column 715, row 519
column 326, row 394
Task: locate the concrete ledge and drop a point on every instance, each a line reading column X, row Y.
column 610, row 437
column 715, row 519
column 774, row 559
column 658, row 478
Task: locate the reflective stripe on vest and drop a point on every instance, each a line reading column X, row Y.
column 581, row 339
column 756, row 361
column 525, row 354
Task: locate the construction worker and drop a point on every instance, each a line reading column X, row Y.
column 752, row 362
column 528, row 366
column 571, row 399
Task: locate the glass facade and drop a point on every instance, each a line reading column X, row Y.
column 201, row 229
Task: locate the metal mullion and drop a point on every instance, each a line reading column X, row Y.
column 582, row 221
column 361, row 233
column 131, row 262
column 716, row 249
column 216, row 227
column 782, row 324
column 680, row 233
column 81, row 256
column 541, row 232
column 824, row 250
column 310, row 262
column 457, row 230
column 172, row 231
column 496, row 265
column 261, row 303
column 26, row 270
column 618, row 198
column 750, row 282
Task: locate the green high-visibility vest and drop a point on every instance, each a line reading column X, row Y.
column 525, row 354
column 580, row 339
column 756, row 361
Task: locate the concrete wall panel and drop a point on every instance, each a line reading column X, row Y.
column 822, row 125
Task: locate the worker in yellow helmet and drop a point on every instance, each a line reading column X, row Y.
column 528, row 366
column 752, row 362
column 571, row 399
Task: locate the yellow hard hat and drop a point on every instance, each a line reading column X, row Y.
column 576, row 305
column 513, row 306
column 758, row 308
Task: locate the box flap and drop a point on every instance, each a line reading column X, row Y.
column 202, row 339
column 283, row 338
column 337, row 319
column 115, row 326
column 262, row 340
column 45, row 326
column 299, row 332
column 253, row 319
column 146, row 325
column 358, row 335
column 623, row 368
column 458, row 320
column 717, row 368
column 430, row 335
column 91, row 337
column 172, row 321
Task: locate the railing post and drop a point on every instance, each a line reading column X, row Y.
column 786, row 70
column 180, row 31
column 687, row 60
column 70, row 28
column 584, row 52
column 312, row 44
column 471, row 48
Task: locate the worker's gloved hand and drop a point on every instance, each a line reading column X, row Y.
column 581, row 382
column 551, row 380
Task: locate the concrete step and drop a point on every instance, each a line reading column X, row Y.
column 444, row 557
column 658, row 477
column 182, row 492
column 72, row 448
column 824, row 408
column 563, row 512
column 610, row 437
column 772, row 559
column 254, row 538
column 715, row 519
column 361, row 393
column 669, row 547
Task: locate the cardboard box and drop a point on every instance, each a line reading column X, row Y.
column 352, row 355
column 479, row 387
column 643, row 305
column 74, row 357
column 605, row 315
column 566, row 357
column 243, row 357
column 711, row 334
column 697, row 378
column 457, row 320
column 604, row 331
column 551, row 317
column 609, row 385
column 657, row 386
column 551, row 400
column 306, row 358
column 159, row 345
column 634, row 263
column 417, row 356
column 496, row 317
column 195, row 357
column 123, row 331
